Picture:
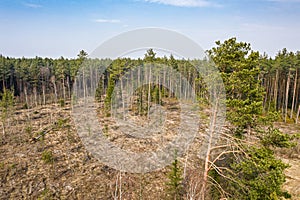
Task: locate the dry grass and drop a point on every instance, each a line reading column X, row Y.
column 75, row 174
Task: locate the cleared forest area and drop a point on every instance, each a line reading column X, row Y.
column 43, row 157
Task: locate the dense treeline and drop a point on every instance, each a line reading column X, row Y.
column 38, row 81
column 280, row 78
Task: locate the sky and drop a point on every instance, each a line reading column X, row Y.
column 54, row 28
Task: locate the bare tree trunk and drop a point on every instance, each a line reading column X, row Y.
column 185, row 91
column 266, row 85
column 287, row 95
column 294, row 93
column 120, row 185
column 91, row 80
column 149, row 93
column 187, row 82
column 26, row 95
column 140, row 90
column 180, row 87
column 170, row 83
column 84, row 85
column 270, row 94
column 35, row 95
column 117, row 194
column 123, row 101
column 55, row 88
column 164, row 83
column 3, row 128
column 21, row 90
column 297, row 100
column 208, row 153
column 276, row 89
column 64, row 88
column 44, row 95
column 297, row 117
column 69, row 89
column 159, row 91
column 132, row 87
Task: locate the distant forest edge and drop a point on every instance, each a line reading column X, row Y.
column 38, row 81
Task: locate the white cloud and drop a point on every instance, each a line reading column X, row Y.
column 184, row 3
column 107, row 20
column 32, row 5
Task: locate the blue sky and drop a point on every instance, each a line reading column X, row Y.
column 53, row 28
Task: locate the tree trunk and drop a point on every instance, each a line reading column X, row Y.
column 64, row 88
column 297, row 117
column 3, row 83
column 140, row 92
column 287, row 95
column 55, row 88
column 69, row 89
column 132, row 89
column 3, row 128
column 170, row 82
column 84, row 85
column 270, row 94
column 267, row 88
column 208, row 153
column 44, row 94
column 276, row 89
column 123, row 100
column 26, row 95
column 35, row 95
column 149, row 93
column 294, row 93
column 91, row 81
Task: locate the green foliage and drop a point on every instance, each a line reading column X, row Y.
column 7, row 102
column 273, row 137
column 108, row 98
column 40, row 135
column 260, row 175
column 214, row 190
column 74, row 99
column 28, row 129
column 155, row 95
column 149, row 56
column 99, row 91
column 244, row 93
column 7, row 107
column 61, row 102
column 45, row 195
column 25, row 106
column 105, row 130
column 257, row 176
column 47, row 157
column 13, row 166
column 60, row 123
column 82, row 55
column 257, row 173
column 2, row 165
column 175, row 187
